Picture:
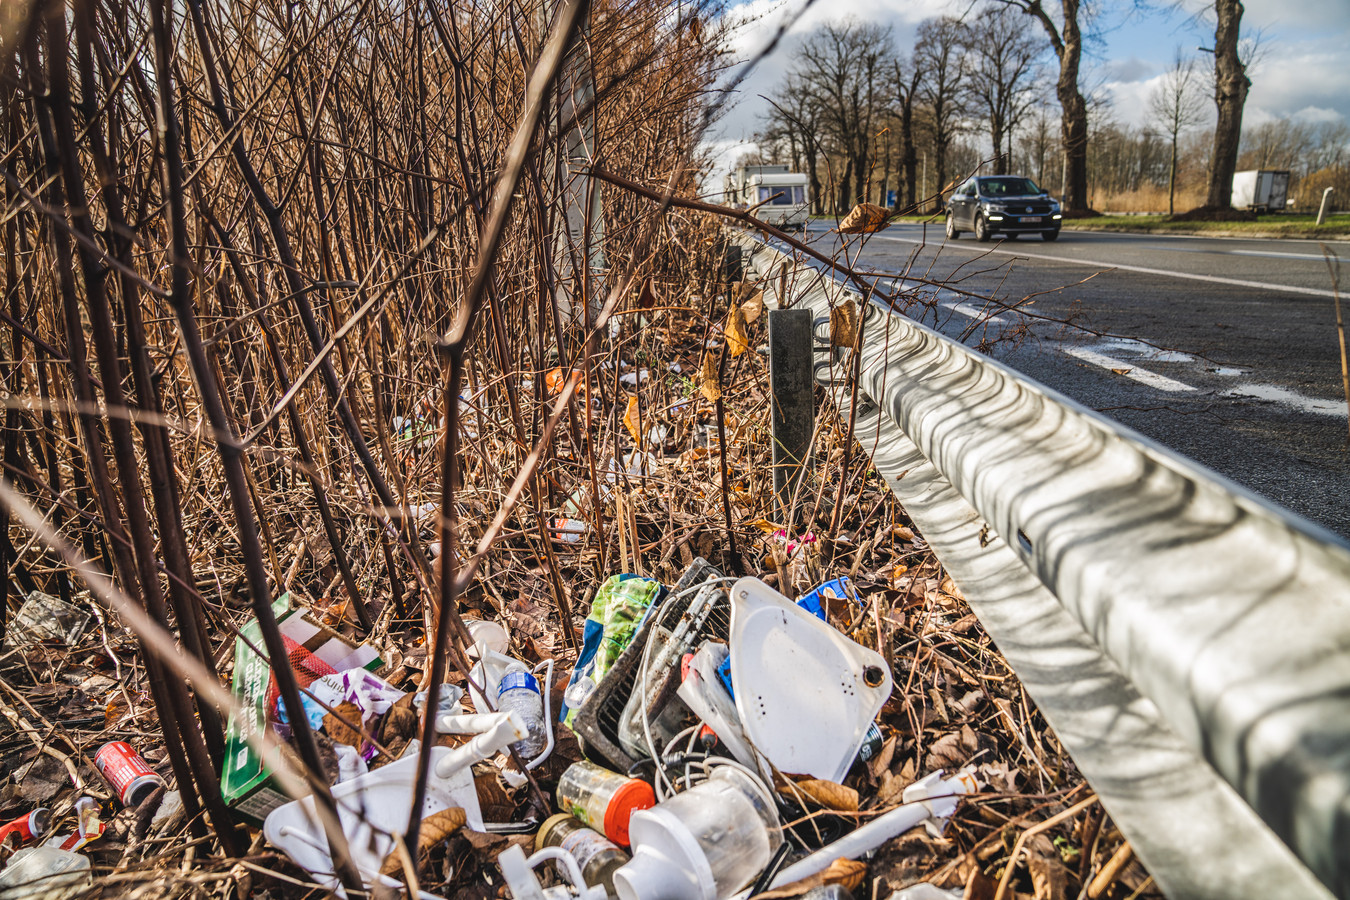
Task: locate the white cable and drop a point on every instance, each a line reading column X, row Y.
column 548, row 712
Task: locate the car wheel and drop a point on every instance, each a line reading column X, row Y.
column 1050, row 235
column 982, row 232
column 952, row 233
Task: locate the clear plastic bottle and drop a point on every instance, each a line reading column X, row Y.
column 519, row 691
column 597, row 855
column 602, row 799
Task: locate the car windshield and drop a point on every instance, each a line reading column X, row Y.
column 1008, row 187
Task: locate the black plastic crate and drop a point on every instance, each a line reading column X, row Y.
column 597, row 724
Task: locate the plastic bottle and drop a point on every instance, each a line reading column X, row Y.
column 519, row 691
column 44, row 871
column 598, row 856
column 705, row 843
column 603, row 799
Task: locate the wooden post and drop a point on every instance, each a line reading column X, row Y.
column 792, row 408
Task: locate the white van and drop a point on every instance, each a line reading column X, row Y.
column 780, row 196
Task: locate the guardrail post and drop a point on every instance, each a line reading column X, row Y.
column 792, row 406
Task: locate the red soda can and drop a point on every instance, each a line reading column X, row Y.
column 33, row 825
column 128, row 774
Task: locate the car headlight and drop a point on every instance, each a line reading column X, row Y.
column 995, row 207
column 1054, row 206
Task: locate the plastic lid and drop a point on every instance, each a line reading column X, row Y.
column 632, row 796
column 517, row 680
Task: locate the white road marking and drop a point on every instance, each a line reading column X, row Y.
column 1286, row 397
column 1213, row 279
column 1281, row 396
column 974, row 312
column 1143, row 376
column 1142, row 350
column 1273, row 254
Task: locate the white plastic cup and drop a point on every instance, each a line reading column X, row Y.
column 486, row 634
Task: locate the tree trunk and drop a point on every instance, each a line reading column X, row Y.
column 996, row 137
column 1074, row 107
column 910, row 158
column 940, row 166
column 1172, row 178
column 1230, row 95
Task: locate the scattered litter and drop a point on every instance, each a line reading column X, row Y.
column 27, row 827
column 44, row 873
column 790, row 668
column 602, row 799
column 46, row 618
column 128, row 774
column 597, row 856
column 704, row 843
column 247, row 782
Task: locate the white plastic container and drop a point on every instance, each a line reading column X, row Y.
column 702, row 844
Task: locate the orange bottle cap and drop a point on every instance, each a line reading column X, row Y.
column 633, row 796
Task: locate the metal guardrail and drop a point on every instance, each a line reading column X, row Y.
column 1206, row 628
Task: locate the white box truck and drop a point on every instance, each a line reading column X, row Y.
column 780, row 196
column 1264, row 190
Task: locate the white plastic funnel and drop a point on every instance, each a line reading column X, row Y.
column 806, row 693
column 376, row 805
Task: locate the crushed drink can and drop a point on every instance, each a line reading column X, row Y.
column 33, row 825
column 131, row 778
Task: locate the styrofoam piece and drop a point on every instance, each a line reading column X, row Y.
column 805, row 693
column 374, row 806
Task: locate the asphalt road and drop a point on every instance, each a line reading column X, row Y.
column 1223, row 349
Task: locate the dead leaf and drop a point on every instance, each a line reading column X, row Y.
column 117, row 708
column 435, row 828
column 339, row 730
column 826, row 794
column 847, row 873
column 946, row 753
column 1047, row 871
column 1122, row 371
column 632, row 421
column 399, row 723
column 647, row 298
column 41, row 780
column 844, row 325
column 737, row 340
column 864, row 218
column 752, row 305
column 882, row 761
column 979, row 886
column 709, row 385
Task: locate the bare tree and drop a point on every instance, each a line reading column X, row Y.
column 939, row 52
column 1175, row 106
column 1230, row 96
column 843, row 66
column 1002, row 56
column 905, row 87
column 1066, row 39
column 795, row 119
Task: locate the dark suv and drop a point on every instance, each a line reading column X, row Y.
column 1002, row 204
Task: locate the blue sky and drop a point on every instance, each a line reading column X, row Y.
column 1303, row 67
